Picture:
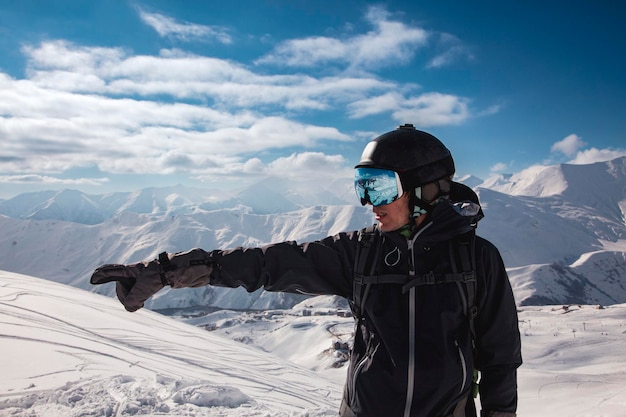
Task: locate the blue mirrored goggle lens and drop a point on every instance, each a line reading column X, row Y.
column 377, row 186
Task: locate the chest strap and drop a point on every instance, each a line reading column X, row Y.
column 408, row 282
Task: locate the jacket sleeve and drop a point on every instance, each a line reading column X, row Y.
column 322, row 267
column 498, row 346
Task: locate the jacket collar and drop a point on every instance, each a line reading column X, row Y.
column 445, row 221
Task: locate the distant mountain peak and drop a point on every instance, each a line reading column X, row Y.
column 471, row 181
column 551, row 180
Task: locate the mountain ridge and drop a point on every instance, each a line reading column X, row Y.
column 56, row 235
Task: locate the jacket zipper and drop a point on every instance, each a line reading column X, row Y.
column 410, row 387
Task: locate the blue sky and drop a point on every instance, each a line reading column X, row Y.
column 119, row 95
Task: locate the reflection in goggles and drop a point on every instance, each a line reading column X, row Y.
column 377, row 186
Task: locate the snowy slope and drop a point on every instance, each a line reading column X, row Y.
column 536, row 181
column 596, row 277
column 67, row 352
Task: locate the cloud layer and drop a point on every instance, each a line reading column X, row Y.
column 180, row 112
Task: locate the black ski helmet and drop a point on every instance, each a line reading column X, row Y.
column 418, row 157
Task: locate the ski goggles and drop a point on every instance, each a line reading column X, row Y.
column 377, row 186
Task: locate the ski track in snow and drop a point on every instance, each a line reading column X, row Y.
column 574, row 361
column 89, row 357
column 67, row 352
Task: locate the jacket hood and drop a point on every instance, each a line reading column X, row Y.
column 449, row 219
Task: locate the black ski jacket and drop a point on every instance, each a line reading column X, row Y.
column 412, row 353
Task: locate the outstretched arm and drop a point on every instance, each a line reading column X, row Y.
column 320, row 267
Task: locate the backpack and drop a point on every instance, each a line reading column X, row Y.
column 462, row 259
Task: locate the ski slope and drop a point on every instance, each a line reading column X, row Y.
column 68, row 352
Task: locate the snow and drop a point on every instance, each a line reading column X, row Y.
column 537, row 181
column 67, row 352
column 575, row 362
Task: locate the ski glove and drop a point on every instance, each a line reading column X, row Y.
column 135, row 283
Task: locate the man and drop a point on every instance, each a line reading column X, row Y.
column 432, row 301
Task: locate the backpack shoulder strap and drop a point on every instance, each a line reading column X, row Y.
column 463, row 261
column 466, row 258
column 365, row 260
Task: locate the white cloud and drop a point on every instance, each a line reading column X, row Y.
column 254, row 166
column 425, row 110
column 61, row 56
column 434, row 109
column 490, row 110
column 375, row 105
column 451, row 50
column 44, row 179
column 568, row 145
column 186, row 76
column 301, row 165
column 166, row 26
column 592, row 155
column 51, row 131
column 307, row 163
column 498, row 167
column 179, row 112
column 571, row 145
column 82, row 110
column 390, row 43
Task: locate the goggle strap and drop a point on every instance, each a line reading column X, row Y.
column 419, row 206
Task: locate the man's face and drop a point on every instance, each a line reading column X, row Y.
column 394, row 215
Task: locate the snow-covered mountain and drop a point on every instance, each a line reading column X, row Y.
column 471, row 181
column 70, row 353
column 268, row 196
column 560, row 229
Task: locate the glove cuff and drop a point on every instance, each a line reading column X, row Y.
column 185, row 269
column 165, row 266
